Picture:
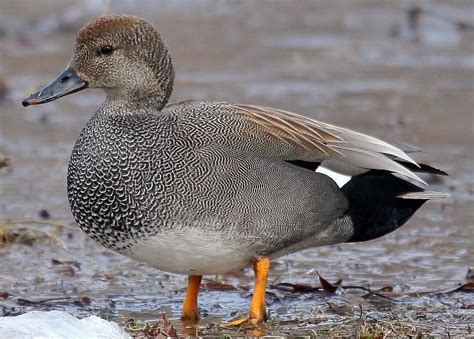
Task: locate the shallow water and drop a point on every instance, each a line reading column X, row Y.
column 357, row 65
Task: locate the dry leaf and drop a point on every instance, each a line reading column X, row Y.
column 326, row 285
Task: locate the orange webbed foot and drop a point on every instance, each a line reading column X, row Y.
column 245, row 321
column 257, row 314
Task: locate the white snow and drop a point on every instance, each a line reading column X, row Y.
column 58, row 325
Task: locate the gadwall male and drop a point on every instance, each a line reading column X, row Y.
column 200, row 187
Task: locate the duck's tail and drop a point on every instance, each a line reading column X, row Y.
column 380, row 202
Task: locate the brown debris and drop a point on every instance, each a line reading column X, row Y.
column 4, row 161
column 83, row 301
column 328, row 288
column 163, row 328
column 217, row 286
column 298, row 288
column 466, row 287
column 65, row 270
column 7, row 236
column 4, row 88
column 67, row 262
column 24, row 232
column 385, row 292
column 103, row 277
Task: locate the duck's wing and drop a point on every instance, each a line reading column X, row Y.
column 307, row 139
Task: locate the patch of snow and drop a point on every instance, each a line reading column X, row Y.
column 58, row 325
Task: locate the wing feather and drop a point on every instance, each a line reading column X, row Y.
column 328, row 142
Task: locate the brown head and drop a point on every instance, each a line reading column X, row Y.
column 123, row 55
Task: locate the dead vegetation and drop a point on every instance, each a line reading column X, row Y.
column 379, row 313
column 27, row 232
column 339, row 309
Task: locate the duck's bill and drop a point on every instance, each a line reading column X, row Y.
column 68, row 82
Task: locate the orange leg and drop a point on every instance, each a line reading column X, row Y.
column 190, row 306
column 257, row 312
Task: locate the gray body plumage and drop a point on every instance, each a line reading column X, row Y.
column 137, row 176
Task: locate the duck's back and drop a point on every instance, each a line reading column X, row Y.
column 159, row 176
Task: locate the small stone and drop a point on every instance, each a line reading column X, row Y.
column 44, row 214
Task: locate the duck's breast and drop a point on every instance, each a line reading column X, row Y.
column 118, row 180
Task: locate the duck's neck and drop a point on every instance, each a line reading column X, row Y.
column 152, row 92
column 130, row 104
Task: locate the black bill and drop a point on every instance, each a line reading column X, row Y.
column 68, row 82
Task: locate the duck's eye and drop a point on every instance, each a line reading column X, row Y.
column 106, row 50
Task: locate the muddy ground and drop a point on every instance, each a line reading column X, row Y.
column 358, row 64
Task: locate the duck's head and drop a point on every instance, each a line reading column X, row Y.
column 123, row 55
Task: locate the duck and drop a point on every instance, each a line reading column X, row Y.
column 200, row 187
